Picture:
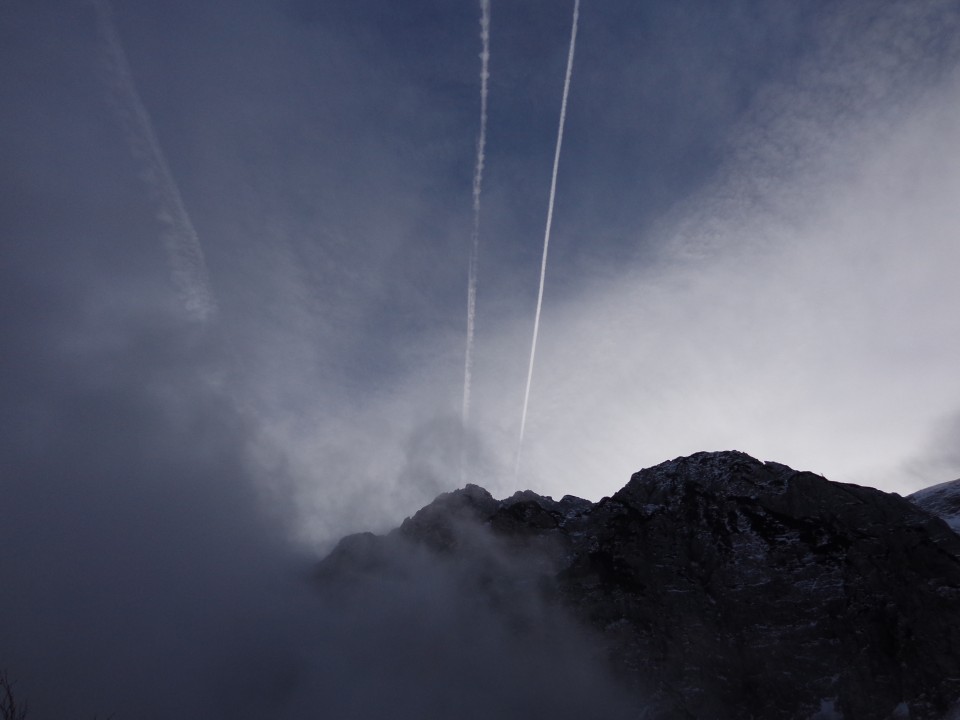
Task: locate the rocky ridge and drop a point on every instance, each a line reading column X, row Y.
column 718, row 586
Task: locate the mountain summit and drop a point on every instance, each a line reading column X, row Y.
column 714, row 586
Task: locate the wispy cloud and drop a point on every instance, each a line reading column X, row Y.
column 546, row 234
column 803, row 315
column 179, row 236
column 475, row 232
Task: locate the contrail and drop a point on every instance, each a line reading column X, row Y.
column 475, row 234
column 546, row 234
column 179, row 236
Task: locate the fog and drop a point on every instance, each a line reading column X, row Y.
column 754, row 243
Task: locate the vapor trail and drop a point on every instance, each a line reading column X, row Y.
column 179, row 236
column 546, row 234
column 475, row 233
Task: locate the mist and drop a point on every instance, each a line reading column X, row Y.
column 754, row 243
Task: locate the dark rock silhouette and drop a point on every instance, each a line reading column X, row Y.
column 717, row 586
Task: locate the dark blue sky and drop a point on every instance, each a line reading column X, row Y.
column 321, row 155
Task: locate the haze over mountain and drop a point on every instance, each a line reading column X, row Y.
column 234, row 269
column 711, row 586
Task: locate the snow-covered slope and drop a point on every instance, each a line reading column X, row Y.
column 942, row 500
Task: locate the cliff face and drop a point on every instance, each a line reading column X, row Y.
column 716, row 586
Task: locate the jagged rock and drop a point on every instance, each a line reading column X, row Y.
column 720, row 586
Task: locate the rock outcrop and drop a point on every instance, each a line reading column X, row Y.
column 719, row 586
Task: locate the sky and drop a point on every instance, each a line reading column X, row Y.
column 235, row 261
